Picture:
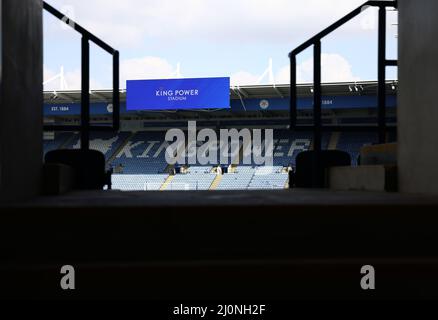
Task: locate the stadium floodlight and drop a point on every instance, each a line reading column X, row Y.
column 62, row 81
column 268, row 73
column 350, row 88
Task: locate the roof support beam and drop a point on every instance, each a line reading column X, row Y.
column 278, row 92
column 100, row 96
column 243, row 92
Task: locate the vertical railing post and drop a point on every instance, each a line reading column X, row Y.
column 85, row 94
column 317, row 95
column 116, row 91
column 318, row 127
column 381, row 74
column 293, row 91
column 317, row 105
column 85, row 125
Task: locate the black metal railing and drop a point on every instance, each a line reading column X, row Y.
column 84, row 128
column 317, row 126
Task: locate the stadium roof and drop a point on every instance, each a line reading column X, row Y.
column 239, row 92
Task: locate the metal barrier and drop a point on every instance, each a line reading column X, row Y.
column 84, row 128
column 315, row 41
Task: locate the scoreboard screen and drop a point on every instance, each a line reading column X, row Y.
column 178, row 94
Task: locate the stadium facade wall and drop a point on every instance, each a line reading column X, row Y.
column 21, row 99
column 418, row 107
column 261, row 104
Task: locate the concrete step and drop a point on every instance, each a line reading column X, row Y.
column 226, row 279
column 380, row 154
column 363, row 178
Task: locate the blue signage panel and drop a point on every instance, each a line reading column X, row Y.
column 306, row 103
column 67, row 109
column 177, row 94
column 275, row 104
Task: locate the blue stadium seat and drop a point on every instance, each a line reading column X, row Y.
column 144, row 153
column 192, row 181
column 58, row 141
column 351, row 142
column 139, row 182
column 142, row 160
column 105, row 142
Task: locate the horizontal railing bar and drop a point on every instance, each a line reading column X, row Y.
column 78, row 28
column 88, row 37
column 341, row 22
column 391, row 63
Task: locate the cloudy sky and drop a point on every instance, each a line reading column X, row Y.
column 212, row 38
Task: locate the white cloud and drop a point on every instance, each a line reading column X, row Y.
column 334, row 68
column 131, row 69
column 252, row 24
column 283, row 76
column 242, row 78
column 145, row 68
column 127, row 23
column 48, row 74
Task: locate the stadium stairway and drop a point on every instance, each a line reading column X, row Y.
column 334, row 140
column 216, row 245
column 114, row 154
column 169, row 168
column 68, row 141
column 262, row 245
column 377, row 171
column 167, row 182
column 216, row 182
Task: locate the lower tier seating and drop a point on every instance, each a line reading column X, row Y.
column 139, row 160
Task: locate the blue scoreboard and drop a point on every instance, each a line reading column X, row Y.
column 178, row 94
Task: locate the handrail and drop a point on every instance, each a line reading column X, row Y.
column 341, row 22
column 318, row 127
column 85, row 126
column 316, row 42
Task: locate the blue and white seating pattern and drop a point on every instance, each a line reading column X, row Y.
column 144, row 153
column 105, row 142
column 141, row 162
column 239, row 180
column 57, row 142
column 254, row 178
column 235, row 181
column 138, row 182
column 269, row 182
column 269, row 178
column 287, row 145
column 192, row 181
